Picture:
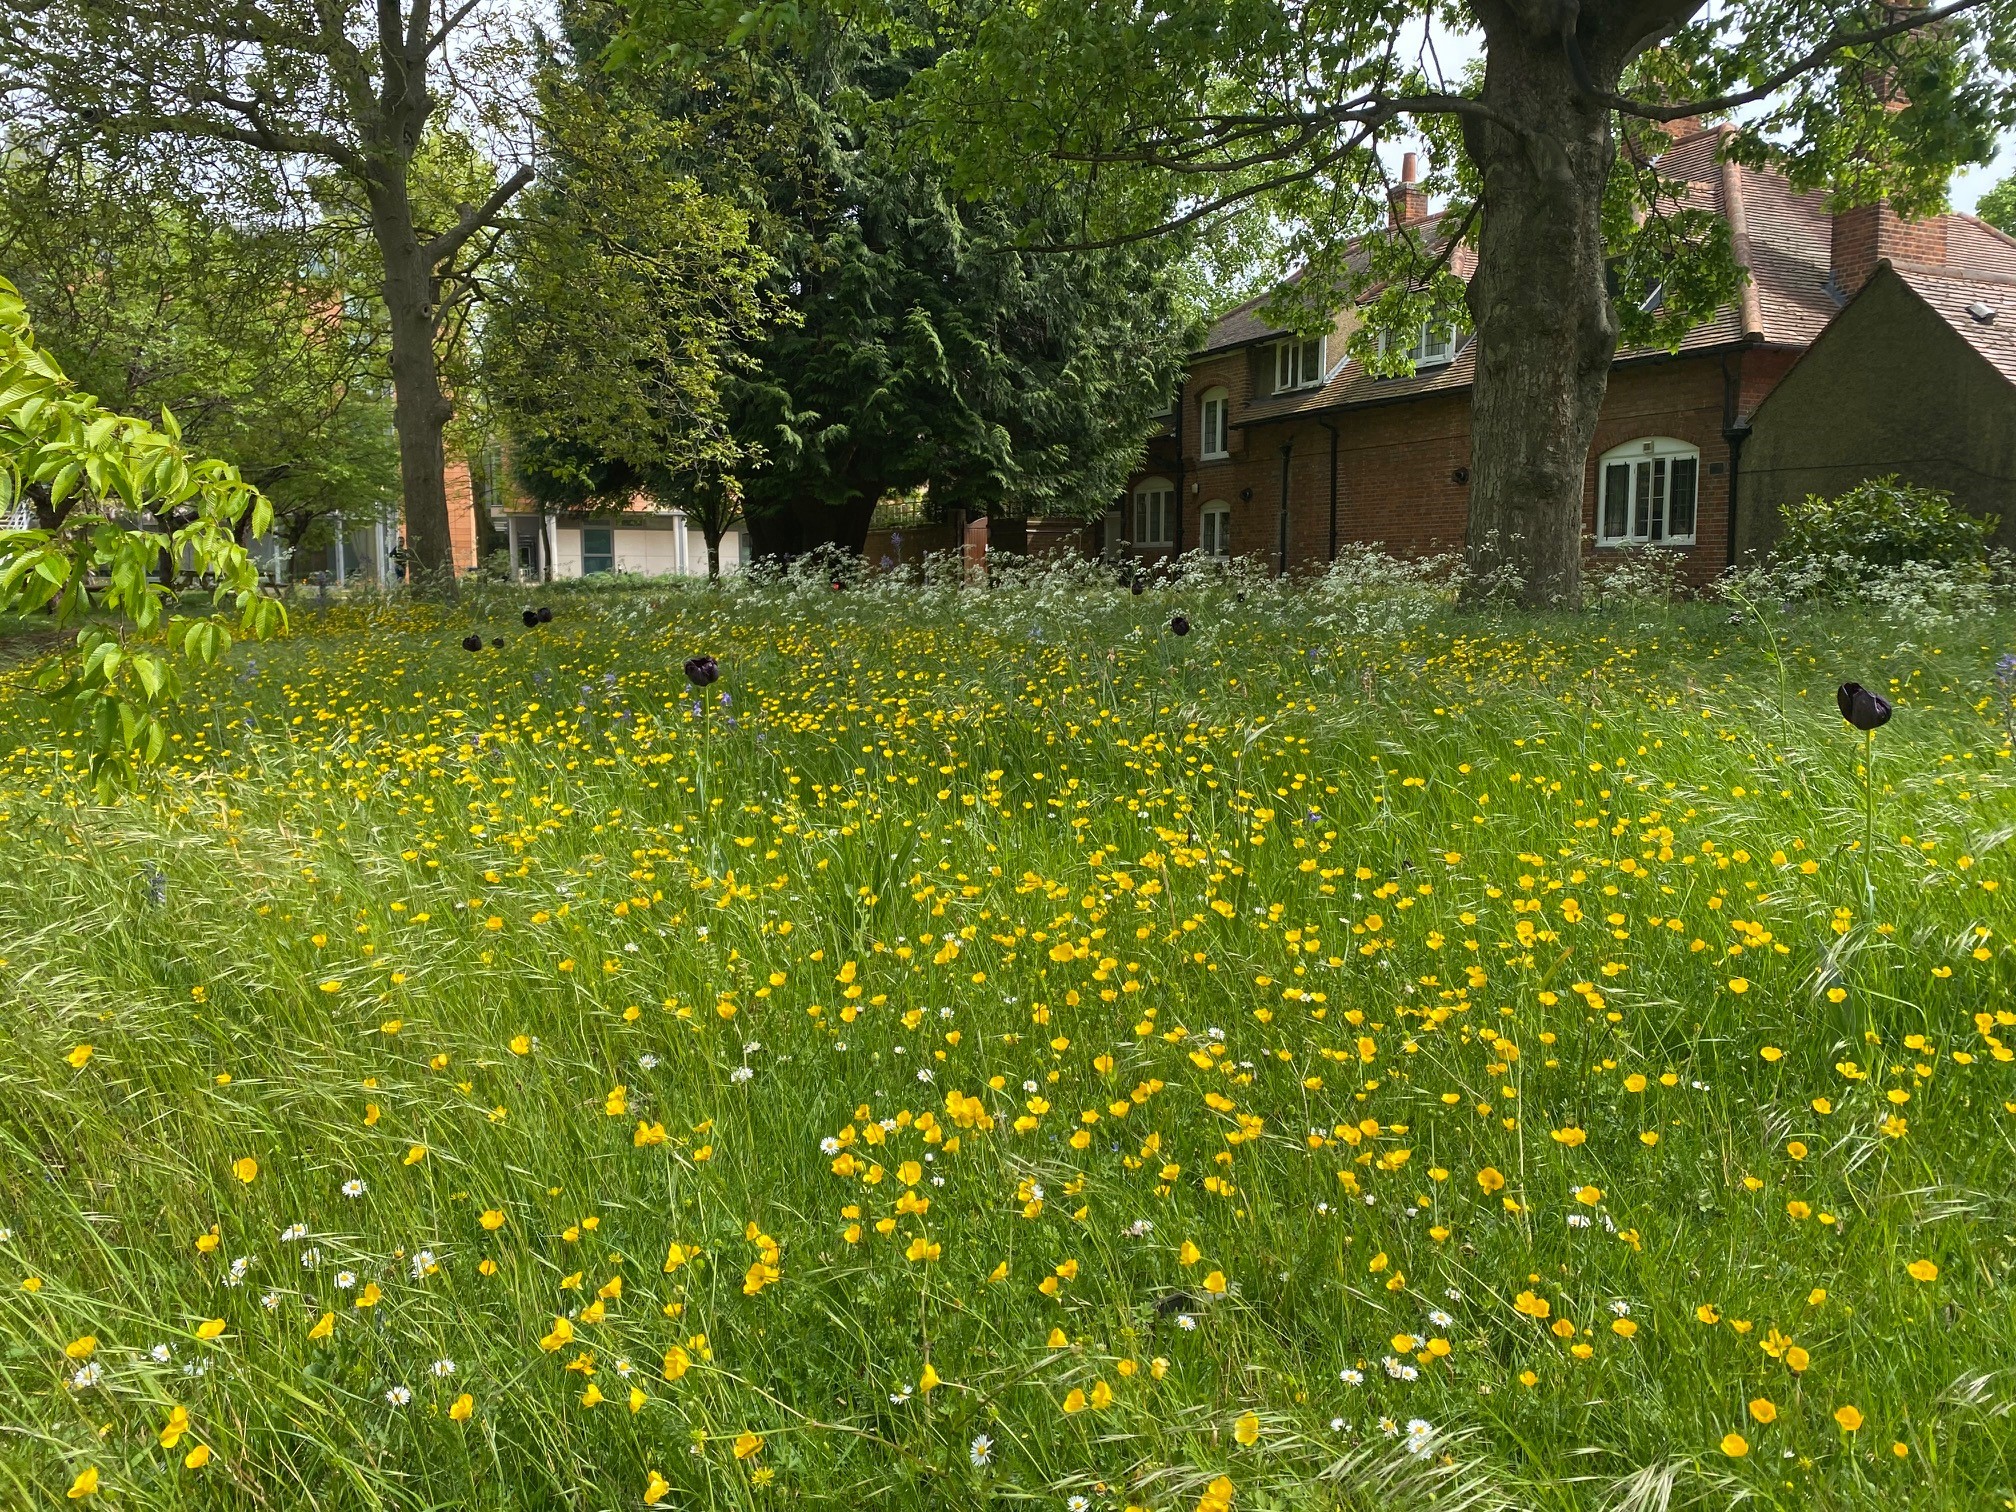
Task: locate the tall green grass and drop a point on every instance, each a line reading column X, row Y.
column 1343, row 902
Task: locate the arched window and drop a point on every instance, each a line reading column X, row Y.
column 1648, row 493
column 1214, row 529
column 1154, row 512
column 1212, row 430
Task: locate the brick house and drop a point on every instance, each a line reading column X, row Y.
column 1288, row 450
column 1916, row 376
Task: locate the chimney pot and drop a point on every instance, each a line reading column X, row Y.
column 1406, row 202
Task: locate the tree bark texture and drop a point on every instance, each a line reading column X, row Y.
column 1540, row 306
column 420, row 410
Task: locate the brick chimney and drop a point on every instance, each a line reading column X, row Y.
column 1866, row 234
column 1407, row 202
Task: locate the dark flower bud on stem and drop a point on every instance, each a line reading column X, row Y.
column 1861, row 708
column 702, row 670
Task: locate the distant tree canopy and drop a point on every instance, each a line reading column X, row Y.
column 926, row 345
column 1998, row 206
column 615, row 326
column 154, row 290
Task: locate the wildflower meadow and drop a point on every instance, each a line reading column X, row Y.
column 975, row 1047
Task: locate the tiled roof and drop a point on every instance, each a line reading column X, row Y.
column 1786, row 241
column 1994, row 339
column 1976, row 249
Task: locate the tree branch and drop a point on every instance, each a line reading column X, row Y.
column 264, row 137
column 1653, row 111
column 447, row 26
column 449, row 242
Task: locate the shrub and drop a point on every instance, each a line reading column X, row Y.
column 1884, row 523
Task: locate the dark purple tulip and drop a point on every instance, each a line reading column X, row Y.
column 702, row 670
column 531, row 618
column 545, row 615
column 1139, row 587
column 1180, row 625
column 1861, row 708
column 497, row 644
column 472, row 643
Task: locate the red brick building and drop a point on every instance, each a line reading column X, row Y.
column 1289, row 450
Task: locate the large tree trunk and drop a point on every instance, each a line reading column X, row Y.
column 420, row 410
column 1545, row 330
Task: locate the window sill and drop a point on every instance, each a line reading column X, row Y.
column 1646, row 545
column 1214, row 456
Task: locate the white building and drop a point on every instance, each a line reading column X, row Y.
column 647, row 542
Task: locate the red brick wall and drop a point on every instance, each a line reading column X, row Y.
column 461, row 516
column 1868, row 232
column 908, row 544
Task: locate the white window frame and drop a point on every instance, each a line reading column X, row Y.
column 1298, row 364
column 1214, row 425
column 1651, row 469
column 1154, row 513
column 1426, row 351
column 1219, row 514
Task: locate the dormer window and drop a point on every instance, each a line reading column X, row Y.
column 1298, row 365
column 1434, row 345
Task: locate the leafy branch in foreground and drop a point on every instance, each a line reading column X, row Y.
column 111, row 498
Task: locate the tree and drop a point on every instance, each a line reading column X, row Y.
column 105, row 488
column 1134, row 123
column 615, row 327
column 154, row 292
column 345, row 85
column 1998, row 206
column 929, row 346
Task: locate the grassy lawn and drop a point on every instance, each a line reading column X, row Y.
column 992, row 1051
